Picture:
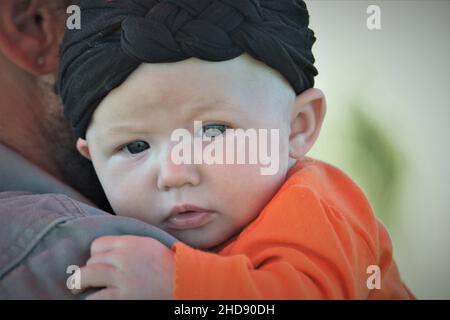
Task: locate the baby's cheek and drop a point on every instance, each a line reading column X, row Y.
column 266, row 188
column 119, row 202
column 120, row 196
column 249, row 196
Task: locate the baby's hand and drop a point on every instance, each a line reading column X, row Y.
column 129, row 267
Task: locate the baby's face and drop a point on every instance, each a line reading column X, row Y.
column 131, row 148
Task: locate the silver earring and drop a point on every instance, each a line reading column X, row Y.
column 40, row 61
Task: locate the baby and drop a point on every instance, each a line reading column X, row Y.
column 140, row 71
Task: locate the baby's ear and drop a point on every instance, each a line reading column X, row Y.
column 306, row 121
column 83, row 148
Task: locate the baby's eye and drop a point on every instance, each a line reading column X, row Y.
column 213, row 130
column 136, row 147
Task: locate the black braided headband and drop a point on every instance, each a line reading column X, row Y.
column 116, row 36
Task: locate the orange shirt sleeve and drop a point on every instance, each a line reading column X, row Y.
column 303, row 245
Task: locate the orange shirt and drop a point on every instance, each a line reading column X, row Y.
column 314, row 240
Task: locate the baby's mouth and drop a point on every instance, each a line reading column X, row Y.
column 187, row 216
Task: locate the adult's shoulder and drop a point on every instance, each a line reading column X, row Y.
column 42, row 235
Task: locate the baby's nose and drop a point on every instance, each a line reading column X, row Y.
column 173, row 175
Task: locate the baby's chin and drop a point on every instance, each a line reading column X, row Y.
column 200, row 239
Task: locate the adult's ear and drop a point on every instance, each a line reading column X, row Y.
column 306, row 121
column 83, row 148
column 30, row 34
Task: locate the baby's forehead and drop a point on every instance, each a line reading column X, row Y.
column 176, row 92
column 242, row 78
column 242, row 67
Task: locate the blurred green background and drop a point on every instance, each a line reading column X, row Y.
column 387, row 123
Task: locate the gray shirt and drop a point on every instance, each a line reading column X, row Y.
column 46, row 229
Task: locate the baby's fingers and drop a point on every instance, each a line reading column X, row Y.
column 104, row 258
column 97, row 276
column 104, row 244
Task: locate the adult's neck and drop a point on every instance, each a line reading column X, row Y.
column 23, row 119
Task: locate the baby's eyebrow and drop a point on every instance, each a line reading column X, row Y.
column 210, row 106
column 122, row 129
